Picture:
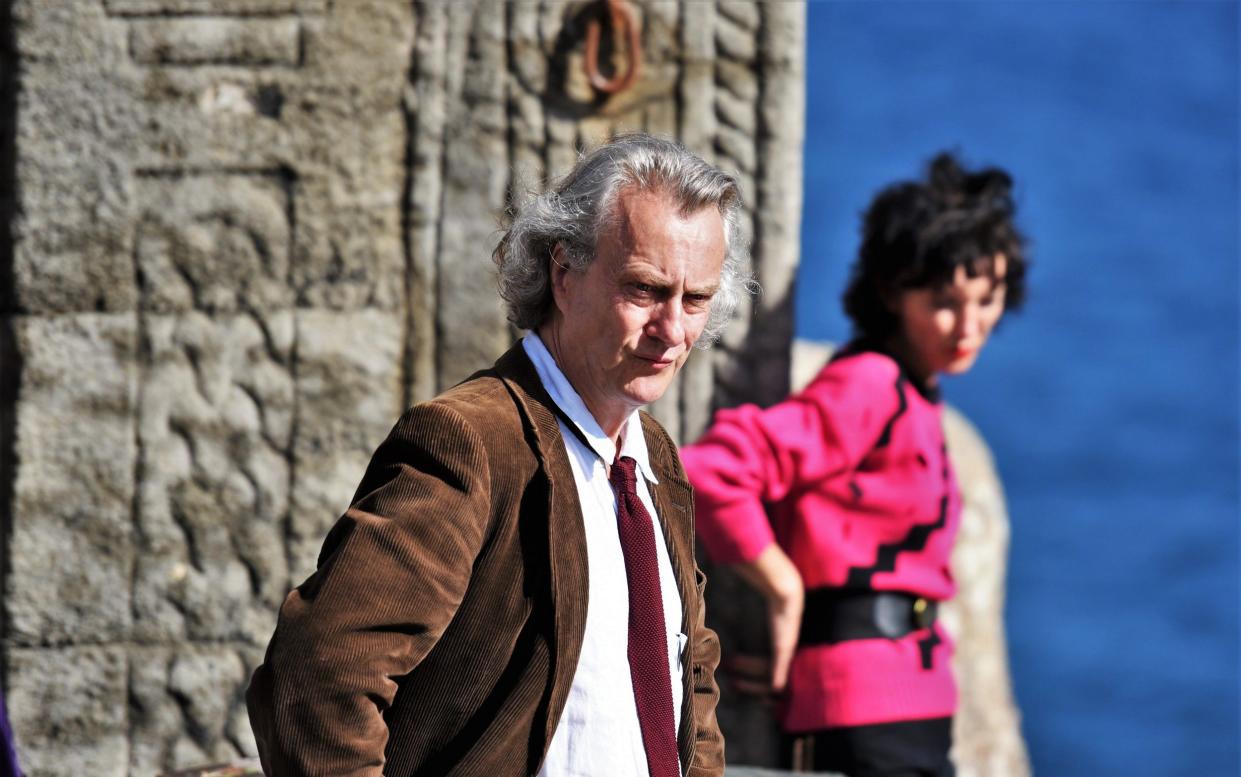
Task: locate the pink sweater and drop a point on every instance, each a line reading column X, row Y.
column 852, row 479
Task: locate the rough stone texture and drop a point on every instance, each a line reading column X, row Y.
column 204, row 297
column 69, row 709
column 987, row 730
column 213, row 242
column 349, row 395
column 731, row 108
column 214, row 430
column 236, row 238
column 182, row 702
column 220, row 7
column 215, row 41
column 71, row 543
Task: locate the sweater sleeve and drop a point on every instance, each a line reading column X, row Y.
column 751, row 457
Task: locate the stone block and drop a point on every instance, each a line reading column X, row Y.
column 783, row 35
column 69, row 710
column 214, row 242
column 198, row 120
column 348, row 252
column 186, row 702
column 735, row 42
column 744, row 15
column 349, row 395
column 71, row 549
column 62, row 262
column 214, row 7
column 71, row 230
column 72, row 34
column 471, row 324
column 215, row 428
column 216, row 40
column 73, row 128
column 986, row 730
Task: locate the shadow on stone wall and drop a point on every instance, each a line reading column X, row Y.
column 10, row 366
column 8, row 154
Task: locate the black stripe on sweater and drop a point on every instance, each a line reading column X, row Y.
column 914, row 540
column 902, row 406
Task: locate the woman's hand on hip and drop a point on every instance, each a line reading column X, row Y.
column 775, row 577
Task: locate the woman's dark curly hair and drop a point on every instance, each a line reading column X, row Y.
column 916, row 233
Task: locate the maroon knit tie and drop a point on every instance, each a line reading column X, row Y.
column 648, row 642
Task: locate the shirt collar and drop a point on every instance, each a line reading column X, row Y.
column 574, row 410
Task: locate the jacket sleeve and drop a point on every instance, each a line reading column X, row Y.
column 708, row 760
column 751, row 457
column 391, row 575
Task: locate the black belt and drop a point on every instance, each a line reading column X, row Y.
column 838, row 615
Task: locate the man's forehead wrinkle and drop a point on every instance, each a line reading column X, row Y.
column 641, row 272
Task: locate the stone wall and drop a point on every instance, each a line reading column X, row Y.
column 241, row 235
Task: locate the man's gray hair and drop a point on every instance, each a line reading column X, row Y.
column 574, row 213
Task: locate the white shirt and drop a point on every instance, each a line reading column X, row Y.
column 598, row 733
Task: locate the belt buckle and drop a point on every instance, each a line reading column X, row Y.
column 898, row 614
column 924, row 613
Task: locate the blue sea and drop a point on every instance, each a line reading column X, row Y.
column 1111, row 402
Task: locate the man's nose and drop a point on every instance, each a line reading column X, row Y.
column 667, row 323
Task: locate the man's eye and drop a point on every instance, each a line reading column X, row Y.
column 697, row 301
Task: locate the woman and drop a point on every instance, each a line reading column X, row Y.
column 839, row 504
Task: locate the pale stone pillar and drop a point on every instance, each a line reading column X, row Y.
column 205, row 315
column 239, row 236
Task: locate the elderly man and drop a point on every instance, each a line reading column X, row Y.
column 513, row 590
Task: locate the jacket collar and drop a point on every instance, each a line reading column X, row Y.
column 566, row 535
column 573, row 411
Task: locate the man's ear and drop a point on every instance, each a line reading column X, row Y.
column 560, row 271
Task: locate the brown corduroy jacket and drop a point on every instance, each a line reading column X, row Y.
column 441, row 631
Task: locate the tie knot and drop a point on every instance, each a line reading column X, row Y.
column 624, row 474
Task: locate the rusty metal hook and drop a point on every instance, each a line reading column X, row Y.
column 623, row 19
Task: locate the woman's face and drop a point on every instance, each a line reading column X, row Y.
column 943, row 328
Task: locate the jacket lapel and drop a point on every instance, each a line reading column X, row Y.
column 674, row 501
column 566, row 534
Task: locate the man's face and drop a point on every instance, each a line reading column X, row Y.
column 626, row 324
